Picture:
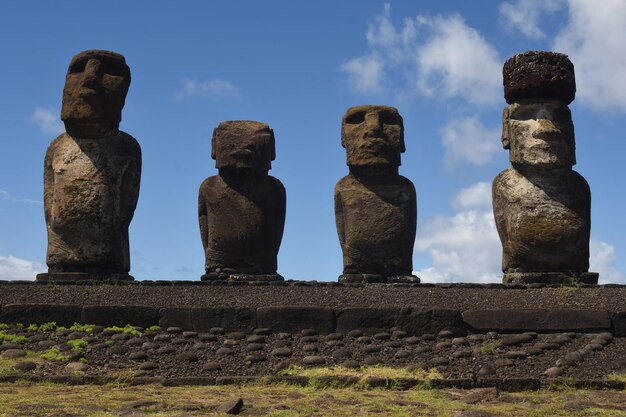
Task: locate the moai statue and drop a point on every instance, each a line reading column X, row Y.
column 541, row 206
column 91, row 174
column 242, row 210
column 375, row 207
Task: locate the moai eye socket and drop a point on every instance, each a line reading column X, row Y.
column 355, row 118
column 390, row 118
column 78, row 66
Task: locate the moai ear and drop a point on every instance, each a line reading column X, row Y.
column 213, row 141
column 273, row 152
column 506, row 142
column 402, row 147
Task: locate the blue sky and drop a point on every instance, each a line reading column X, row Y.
column 298, row 66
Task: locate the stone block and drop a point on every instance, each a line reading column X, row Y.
column 62, row 315
column 538, row 320
column 203, row 319
column 230, row 319
column 120, row 315
column 292, row 319
column 619, row 324
column 413, row 321
column 176, row 317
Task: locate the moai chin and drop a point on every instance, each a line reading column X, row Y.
column 242, row 209
column 375, row 207
column 91, row 174
column 541, row 206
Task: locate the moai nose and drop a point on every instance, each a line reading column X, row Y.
column 92, row 73
column 373, row 122
column 546, row 130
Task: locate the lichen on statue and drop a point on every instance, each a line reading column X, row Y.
column 91, row 174
column 541, row 205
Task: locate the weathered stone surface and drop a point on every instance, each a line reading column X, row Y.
column 540, row 320
column 619, row 324
column 91, row 174
column 120, row 315
column 204, row 319
column 63, row 315
column 231, row 407
column 375, row 207
column 413, row 321
column 293, row 319
column 242, row 210
column 541, row 206
column 538, row 74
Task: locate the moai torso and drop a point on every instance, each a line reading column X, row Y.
column 242, row 210
column 92, row 187
column 541, row 206
column 375, row 208
column 244, row 218
column 91, row 174
column 376, row 225
column 543, row 221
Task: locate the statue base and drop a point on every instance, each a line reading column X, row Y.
column 378, row 278
column 228, row 276
column 83, row 276
column 562, row 278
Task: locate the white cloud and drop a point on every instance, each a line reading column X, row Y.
column 602, row 259
column 464, row 247
column 215, row 87
column 467, row 140
column 364, row 74
column 429, row 55
column 12, row 268
column 457, row 61
column 524, row 15
column 594, row 40
column 476, row 196
column 6, row 196
column 48, row 121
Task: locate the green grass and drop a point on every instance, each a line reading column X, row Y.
column 128, row 329
column 54, row 355
column 12, row 338
column 279, row 400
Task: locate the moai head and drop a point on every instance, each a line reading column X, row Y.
column 95, row 90
column 372, row 136
column 243, row 144
column 537, row 125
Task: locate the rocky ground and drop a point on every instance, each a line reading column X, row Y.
column 170, row 353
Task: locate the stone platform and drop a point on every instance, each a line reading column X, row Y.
column 507, row 336
column 327, row 307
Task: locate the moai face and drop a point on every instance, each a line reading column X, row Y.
column 372, row 136
column 539, row 132
column 95, row 90
column 243, row 144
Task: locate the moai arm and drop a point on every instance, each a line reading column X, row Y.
column 586, row 191
column 280, row 212
column 131, row 181
column 202, row 218
column 48, row 183
column 413, row 212
column 339, row 220
column 500, row 207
